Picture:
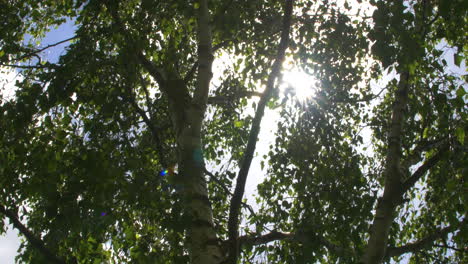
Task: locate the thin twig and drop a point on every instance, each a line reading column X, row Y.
column 150, row 124
column 453, row 248
column 226, row 189
column 25, row 66
column 147, row 96
column 34, row 53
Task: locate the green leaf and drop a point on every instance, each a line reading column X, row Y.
column 426, row 132
column 51, row 165
column 48, row 122
column 460, row 134
column 461, row 92
column 457, row 59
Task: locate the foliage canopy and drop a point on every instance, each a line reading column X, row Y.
column 126, row 151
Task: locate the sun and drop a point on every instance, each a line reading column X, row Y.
column 300, row 84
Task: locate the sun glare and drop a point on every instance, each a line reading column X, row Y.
column 298, row 83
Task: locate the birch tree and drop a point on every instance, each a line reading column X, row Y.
column 133, row 148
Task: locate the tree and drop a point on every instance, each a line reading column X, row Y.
column 126, row 151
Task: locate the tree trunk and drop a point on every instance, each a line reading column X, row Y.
column 203, row 243
column 386, row 205
column 188, row 115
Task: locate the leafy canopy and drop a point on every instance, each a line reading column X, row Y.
column 88, row 146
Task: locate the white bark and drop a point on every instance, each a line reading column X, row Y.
column 204, row 247
column 386, row 205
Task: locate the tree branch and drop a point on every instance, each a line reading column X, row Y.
column 34, row 52
column 32, row 239
column 215, row 179
column 255, row 240
column 153, row 70
column 132, row 100
column 222, row 99
column 205, row 58
column 25, row 66
column 421, row 171
column 234, row 209
column 302, row 236
column 422, row 146
column 453, row 248
column 147, row 95
column 423, row 243
column 191, row 73
column 192, row 70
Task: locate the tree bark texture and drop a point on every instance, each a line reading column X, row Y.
column 384, row 214
column 188, row 114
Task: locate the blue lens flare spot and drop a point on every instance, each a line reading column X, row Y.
column 164, row 172
column 198, row 156
column 103, row 214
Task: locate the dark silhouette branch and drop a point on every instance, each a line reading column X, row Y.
column 154, row 71
column 422, row 146
column 226, row 99
column 425, row 242
column 191, row 73
column 236, row 200
column 147, row 95
column 255, row 240
column 226, row 189
column 32, row 239
column 147, row 120
column 35, row 52
column 421, row 171
column 25, row 66
column 452, row 248
column 302, row 236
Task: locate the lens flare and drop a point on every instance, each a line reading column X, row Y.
column 303, row 85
